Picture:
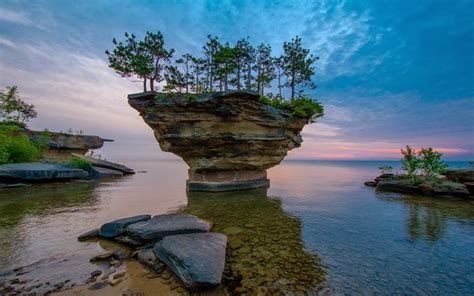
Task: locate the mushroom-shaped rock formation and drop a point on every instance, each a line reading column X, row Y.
column 228, row 139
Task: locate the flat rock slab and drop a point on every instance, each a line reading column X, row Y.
column 36, row 171
column 197, row 259
column 98, row 172
column 118, row 227
column 164, row 225
column 105, row 164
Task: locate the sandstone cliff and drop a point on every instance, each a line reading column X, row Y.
column 224, row 136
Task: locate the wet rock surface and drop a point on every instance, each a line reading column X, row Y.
column 101, row 163
column 118, row 227
column 197, row 259
column 90, row 235
column 36, row 171
column 148, row 258
column 164, row 225
column 98, row 172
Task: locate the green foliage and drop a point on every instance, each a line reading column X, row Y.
column 142, row 58
column 385, row 169
column 431, row 162
column 79, row 163
column 410, row 162
column 426, row 160
column 13, row 109
column 191, row 98
column 15, row 146
column 301, row 106
column 297, row 64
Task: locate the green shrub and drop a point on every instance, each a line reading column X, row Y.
column 410, row 162
column 431, row 162
column 16, row 146
column 301, row 106
column 79, row 163
column 191, row 98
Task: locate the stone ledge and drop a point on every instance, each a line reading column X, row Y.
column 226, row 186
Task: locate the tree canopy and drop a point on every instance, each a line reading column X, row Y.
column 222, row 66
column 14, row 109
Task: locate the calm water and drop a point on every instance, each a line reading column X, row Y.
column 317, row 227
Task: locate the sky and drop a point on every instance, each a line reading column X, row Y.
column 390, row 73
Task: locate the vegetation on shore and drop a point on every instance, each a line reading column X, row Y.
column 79, row 163
column 240, row 66
column 15, row 146
column 422, row 164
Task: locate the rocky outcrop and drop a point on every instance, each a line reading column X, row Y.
column 197, row 259
column 35, row 172
column 61, row 145
column 225, row 137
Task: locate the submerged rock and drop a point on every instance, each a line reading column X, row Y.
column 36, row 171
column 118, row 227
column 106, row 164
column 169, row 224
column 197, row 259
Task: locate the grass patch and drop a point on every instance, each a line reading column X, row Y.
column 79, row 163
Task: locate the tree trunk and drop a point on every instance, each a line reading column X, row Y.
column 144, row 84
column 293, row 85
column 187, row 78
column 152, row 88
column 238, row 78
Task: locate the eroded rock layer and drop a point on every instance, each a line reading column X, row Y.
column 225, row 131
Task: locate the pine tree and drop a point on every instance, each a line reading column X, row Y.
column 186, row 61
column 210, row 49
column 297, row 65
column 264, row 67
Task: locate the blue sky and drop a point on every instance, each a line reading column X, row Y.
column 390, row 73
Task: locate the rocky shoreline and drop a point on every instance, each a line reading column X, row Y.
column 457, row 183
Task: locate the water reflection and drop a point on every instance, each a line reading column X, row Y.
column 265, row 251
column 427, row 218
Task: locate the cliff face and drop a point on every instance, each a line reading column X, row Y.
column 224, row 136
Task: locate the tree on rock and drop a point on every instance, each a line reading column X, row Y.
column 144, row 59
column 264, row 67
column 297, row 65
column 14, row 109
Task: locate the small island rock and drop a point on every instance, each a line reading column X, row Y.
column 197, row 259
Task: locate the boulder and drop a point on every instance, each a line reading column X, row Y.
column 164, row 225
column 470, row 187
column 98, row 172
column 118, row 227
column 224, row 137
column 36, row 171
column 196, row 259
column 106, row 164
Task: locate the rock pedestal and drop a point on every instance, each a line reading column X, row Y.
column 228, row 139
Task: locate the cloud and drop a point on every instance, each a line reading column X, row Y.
column 7, row 42
column 16, row 17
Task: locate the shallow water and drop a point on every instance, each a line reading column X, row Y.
column 317, row 227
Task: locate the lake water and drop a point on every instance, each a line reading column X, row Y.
column 317, row 229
